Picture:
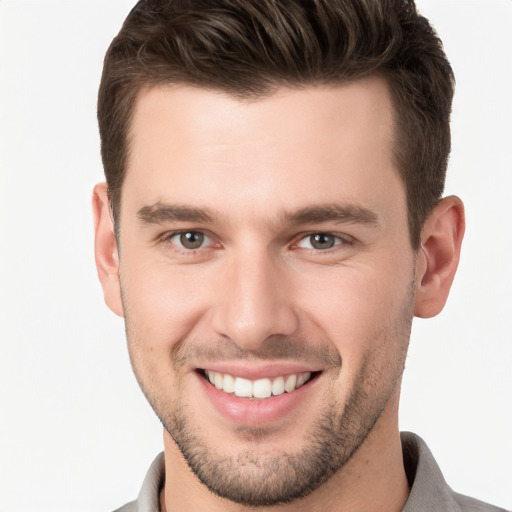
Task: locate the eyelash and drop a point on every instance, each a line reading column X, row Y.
column 340, row 240
column 167, row 238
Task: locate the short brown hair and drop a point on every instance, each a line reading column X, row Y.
column 248, row 48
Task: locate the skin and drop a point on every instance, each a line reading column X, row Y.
column 257, row 292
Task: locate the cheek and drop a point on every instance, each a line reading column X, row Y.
column 162, row 303
column 360, row 309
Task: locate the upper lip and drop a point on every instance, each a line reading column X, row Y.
column 252, row 371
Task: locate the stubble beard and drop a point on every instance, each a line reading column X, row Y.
column 256, row 478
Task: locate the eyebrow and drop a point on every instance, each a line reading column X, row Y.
column 160, row 213
column 342, row 213
column 336, row 212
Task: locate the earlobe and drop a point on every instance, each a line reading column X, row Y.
column 105, row 249
column 438, row 257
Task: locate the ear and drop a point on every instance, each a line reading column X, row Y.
column 105, row 249
column 438, row 257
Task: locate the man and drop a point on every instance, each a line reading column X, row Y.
column 272, row 220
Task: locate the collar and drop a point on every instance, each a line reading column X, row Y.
column 429, row 490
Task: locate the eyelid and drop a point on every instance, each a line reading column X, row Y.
column 210, row 242
column 166, row 238
column 342, row 239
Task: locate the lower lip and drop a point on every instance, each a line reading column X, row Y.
column 246, row 411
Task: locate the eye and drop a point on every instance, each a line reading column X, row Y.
column 320, row 241
column 189, row 240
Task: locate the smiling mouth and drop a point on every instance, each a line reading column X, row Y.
column 260, row 388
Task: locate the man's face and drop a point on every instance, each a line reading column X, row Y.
column 264, row 243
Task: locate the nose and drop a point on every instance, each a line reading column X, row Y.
column 256, row 301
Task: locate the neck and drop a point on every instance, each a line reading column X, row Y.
column 374, row 479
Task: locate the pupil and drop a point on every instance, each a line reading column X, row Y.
column 192, row 240
column 322, row 241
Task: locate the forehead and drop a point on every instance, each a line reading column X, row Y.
column 296, row 146
column 202, row 116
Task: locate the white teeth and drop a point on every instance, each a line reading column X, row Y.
column 290, row 383
column 229, row 384
column 219, row 380
column 302, row 378
column 278, row 386
column 261, row 388
column 243, row 387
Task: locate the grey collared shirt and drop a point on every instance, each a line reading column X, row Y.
column 429, row 491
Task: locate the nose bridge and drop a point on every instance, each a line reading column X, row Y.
column 256, row 302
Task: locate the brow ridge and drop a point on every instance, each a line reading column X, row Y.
column 159, row 213
column 335, row 212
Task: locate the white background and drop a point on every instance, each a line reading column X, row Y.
column 75, row 432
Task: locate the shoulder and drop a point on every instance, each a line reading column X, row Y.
column 429, row 490
column 129, row 507
column 467, row 504
column 148, row 499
